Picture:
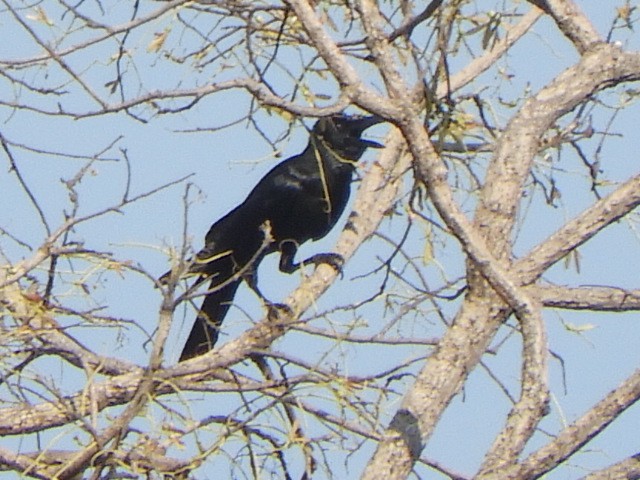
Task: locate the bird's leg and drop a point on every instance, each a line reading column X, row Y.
column 288, row 251
column 251, row 277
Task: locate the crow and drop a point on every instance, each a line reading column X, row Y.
column 300, row 199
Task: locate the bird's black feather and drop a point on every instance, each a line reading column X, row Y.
column 298, row 200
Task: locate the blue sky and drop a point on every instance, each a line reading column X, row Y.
column 224, row 165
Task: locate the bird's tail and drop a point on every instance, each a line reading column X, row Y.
column 204, row 333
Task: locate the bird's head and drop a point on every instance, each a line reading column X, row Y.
column 342, row 134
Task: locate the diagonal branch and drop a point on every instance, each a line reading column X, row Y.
column 579, row 230
column 572, row 22
column 627, row 468
column 594, row 298
column 576, row 435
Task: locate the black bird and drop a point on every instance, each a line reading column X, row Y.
column 298, row 200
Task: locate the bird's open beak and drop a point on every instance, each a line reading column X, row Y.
column 361, row 124
column 366, row 122
column 371, row 143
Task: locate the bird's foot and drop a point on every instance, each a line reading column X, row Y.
column 335, row 260
column 164, row 279
column 274, row 310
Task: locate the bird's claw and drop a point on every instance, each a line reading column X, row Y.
column 275, row 310
column 334, row 260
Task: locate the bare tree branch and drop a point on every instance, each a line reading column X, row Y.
column 627, row 468
column 588, row 297
column 571, row 22
column 579, row 432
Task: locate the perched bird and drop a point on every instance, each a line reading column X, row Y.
column 300, row 199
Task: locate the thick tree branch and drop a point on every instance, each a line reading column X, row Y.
column 576, row 435
column 602, row 67
column 532, row 405
column 628, row 468
column 594, row 298
column 576, row 232
column 416, row 419
column 345, row 74
column 572, row 22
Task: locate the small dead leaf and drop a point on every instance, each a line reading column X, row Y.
column 40, row 16
column 284, row 114
column 579, row 328
column 158, row 41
